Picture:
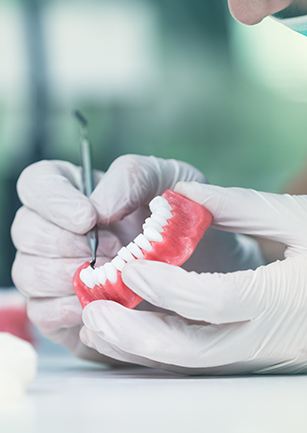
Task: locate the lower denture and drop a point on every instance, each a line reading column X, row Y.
column 170, row 235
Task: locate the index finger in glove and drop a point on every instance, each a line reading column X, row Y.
column 133, row 180
column 36, row 276
column 51, row 188
column 279, row 217
column 210, row 297
column 34, row 235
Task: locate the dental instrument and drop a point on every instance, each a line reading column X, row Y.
column 87, row 178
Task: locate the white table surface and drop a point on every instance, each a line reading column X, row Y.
column 73, row 397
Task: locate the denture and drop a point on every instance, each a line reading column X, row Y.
column 13, row 316
column 171, row 235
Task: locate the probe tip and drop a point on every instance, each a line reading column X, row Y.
column 92, row 263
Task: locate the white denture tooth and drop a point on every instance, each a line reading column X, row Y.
column 159, row 219
column 119, row 263
column 149, row 222
column 142, row 242
column 100, row 275
column 147, row 226
column 164, row 212
column 153, row 235
column 125, row 255
column 87, row 277
column 111, row 272
column 165, row 204
column 157, row 202
column 135, row 250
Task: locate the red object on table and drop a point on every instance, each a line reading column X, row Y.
column 13, row 315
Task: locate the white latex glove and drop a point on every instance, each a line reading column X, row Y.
column 258, row 319
column 49, row 229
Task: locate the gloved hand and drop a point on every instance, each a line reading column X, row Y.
column 214, row 323
column 49, row 229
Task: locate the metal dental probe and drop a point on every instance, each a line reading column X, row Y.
column 87, row 178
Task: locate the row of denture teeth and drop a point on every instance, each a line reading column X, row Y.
column 152, row 232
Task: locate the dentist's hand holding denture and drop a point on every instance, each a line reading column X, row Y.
column 217, row 323
column 49, row 233
column 244, row 317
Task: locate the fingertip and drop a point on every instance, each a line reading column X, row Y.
column 84, row 335
column 88, row 310
column 95, row 312
column 185, row 187
column 84, row 218
column 192, row 190
column 132, row 270
column 144, row 266
column 15, row 273
column 148, row 279
column 133, row 181
column 109, row 210
column 25, row 180
column 17, row 226
column 210, row 196
column 71, row 211
column 90, row 339
column 50, row 188
column 117, row 194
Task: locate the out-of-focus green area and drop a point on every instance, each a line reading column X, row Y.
column 171, row 78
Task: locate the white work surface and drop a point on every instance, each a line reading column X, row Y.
column 70, row 396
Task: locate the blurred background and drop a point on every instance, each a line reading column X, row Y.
column 165, row 77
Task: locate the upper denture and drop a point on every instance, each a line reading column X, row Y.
column 170, row 234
